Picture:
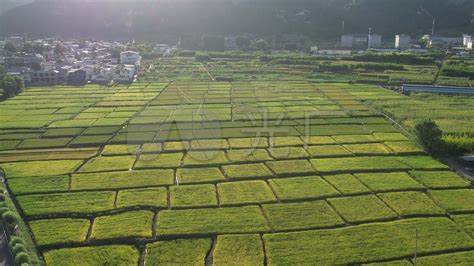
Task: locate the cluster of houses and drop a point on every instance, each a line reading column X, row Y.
column 72, row 62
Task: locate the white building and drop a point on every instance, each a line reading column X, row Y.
column 161, row 49
column 102, row 74
column 130, row 58
column 402, row 41
column 124, row 74
column 466, row 39
column 361, row 41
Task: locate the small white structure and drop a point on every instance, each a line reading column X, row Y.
column 402, row 41
column 361, row 41
column 130, row 58
column 314, row 49
column 102, row 74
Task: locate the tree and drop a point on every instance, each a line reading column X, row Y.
column 27, row 48
column 429, row 135
column 10, row 47
column 11, row 86
column 38, row 48
column 242, row 42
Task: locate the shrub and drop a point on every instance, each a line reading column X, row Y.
column 18, row 248
column 2, row 197
column 15, row 241
column 428, row 135
column 9, row 218
column 4, row 210
column 22, row 258
column 202, row 58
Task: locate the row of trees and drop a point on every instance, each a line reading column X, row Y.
column 9, row 85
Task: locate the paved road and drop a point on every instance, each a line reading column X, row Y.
column 5, row 255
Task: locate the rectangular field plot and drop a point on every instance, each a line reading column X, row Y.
column 108, row 163
column 362, row 208
column 352, row 164
column 377, row 241
column 244, row 192
column 300, row 188
column 162, row 160
column 40, row 168
column 440, row 179
column 205, row 158
column 57, row 203
column 248, row 155
column 197, row 222
column 298, row 216
column 97, row 255
column 328, row 151
column 411, row 203
column 199, row 175
column 178, row 252
column 134, row 224
column 122, row 179
column 389, row 181
column 247, row 171
column 238, row 250
column 59, row 231
column 367, row 149
column 39, row 184
column 347, row 184
column 193, row 196
column 290, row 167
column 148, row 197
column 455, row 200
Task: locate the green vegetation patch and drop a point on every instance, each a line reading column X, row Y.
column 40, row 168
column 108, row 163
column 328, row 150
column 421, row 162
column 346, row 139
column 248, row 219
column 44, row 143
column 57, row 203
column 238, row 250
column 374, row 242
column 205, row 158
column 466, row 221
column 455, row 200
column 296, row 188
column 248, row 155
column 347, row 184
column 97, row 255
column 209, row 144
column 411, row 203
column 403, row 147
column 150, row 197
column 162, row 160
column 244, row 192
column 290, row 167
column 357, row 164
column 240, row 143
column 39, row 184
column 367, row 149
column 389, row 181
column 136, row 224
column 59, row 231
column 362, row 208
column 288, row 152
column 90, row 140
column 458, row 258
column 390, row 136
column 178, row 252
column 193, row 196
column 285, row 141
column 246, row 171
column 440, row 179
column 199, row 175
column 297, row 216
column 319, row 140
column 122, row 179
column 120, row 149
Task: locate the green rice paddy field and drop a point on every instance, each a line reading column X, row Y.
column 195, row 171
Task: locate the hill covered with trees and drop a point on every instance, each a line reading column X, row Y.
column 151, row 20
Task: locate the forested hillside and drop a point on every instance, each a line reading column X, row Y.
column 146, row 19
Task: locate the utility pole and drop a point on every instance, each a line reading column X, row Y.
column 433, row 27
column 368, row 43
